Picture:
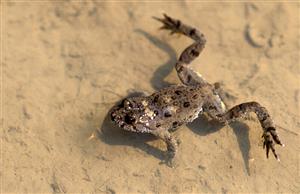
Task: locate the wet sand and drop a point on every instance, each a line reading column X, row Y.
column 65, row 64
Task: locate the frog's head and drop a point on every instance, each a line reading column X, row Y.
column 130, row 115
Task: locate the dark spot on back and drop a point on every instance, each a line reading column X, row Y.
column 178, row 92
column 173, row 97
column 189, row 77
column 158, row 125
column 156, row 112
column 167, row 114
column 175, row 124
column 195, row 96
column 186, row 104
column 155, row 99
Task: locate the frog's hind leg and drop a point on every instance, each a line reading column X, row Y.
column 185, row 73
column 172, row 144
column 269, row 130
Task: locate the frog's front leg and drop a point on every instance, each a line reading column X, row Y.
column 238, row 111
column 185, row 73
column 172, row 144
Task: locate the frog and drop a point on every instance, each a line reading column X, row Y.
column 167, row 109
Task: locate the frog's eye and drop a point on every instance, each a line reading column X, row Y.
column 129, row 119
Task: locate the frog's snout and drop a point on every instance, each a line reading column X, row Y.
column 114, row 116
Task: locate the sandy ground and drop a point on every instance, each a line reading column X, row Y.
column 65, row 64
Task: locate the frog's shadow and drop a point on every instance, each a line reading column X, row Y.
column 202, row 126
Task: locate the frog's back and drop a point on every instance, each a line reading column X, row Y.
column 176, row 105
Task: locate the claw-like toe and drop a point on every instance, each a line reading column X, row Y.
column 168, row 23
column 275, row 137
column 270, row 136
column 267, row 150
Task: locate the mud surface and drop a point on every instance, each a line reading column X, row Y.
column 65, row 64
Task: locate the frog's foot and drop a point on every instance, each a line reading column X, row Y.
column 170, row 160
column 169, row 24
column 176, row 26
column 187, row 75
column 270, row 136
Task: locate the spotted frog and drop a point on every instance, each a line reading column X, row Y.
column 167, row 109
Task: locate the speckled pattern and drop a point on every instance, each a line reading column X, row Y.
column 173, row 106
column 167, row 108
